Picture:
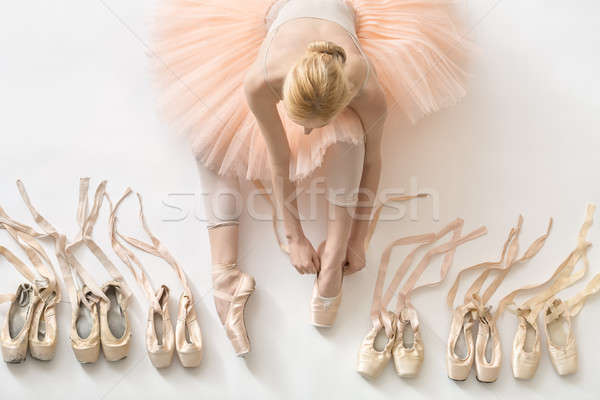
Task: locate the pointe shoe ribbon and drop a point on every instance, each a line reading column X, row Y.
column 564, row 354
column 160, row 340
column 408, row 360
column 83, row 292
column 524, row 361
column 475, row 305
column 371, row 362
column 115, row 342
column 43, row 332
column 563, row 350
column 188, row 337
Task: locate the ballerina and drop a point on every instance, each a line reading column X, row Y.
column 271, row 90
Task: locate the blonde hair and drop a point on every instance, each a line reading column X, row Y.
column 316, row 86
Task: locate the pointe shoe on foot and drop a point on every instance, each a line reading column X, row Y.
column 462, row 321
column 115, row 330
column 561, row 345
column 323, row 310
column 371, row 362
column 15, row 331
column 188, row 337
column 160, row 339
column 85, row 328
column 525, row 360
column 233, row 321
column 487, row 369
column 408, row 359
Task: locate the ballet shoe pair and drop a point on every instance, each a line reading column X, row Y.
column 30, row 324
column 561, row 345
column 96, row 323
column 233, row 321
column 162, row 340
column 458, row 366
column 407, row 359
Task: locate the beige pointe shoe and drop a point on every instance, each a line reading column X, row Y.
column 188, row 337
column 371, row 362
column 15, row 331
column 234, row 324
column 462, row 321
column 323, row 310
column 85, row 328
column 408, row 359
column 160, row 339
column 42, row 335
column 487, row 369
column 561, row 345
column 115, row 330
column 525, row 360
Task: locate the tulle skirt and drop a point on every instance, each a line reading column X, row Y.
column 203, row 49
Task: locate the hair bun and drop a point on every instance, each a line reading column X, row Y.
column 330, row 48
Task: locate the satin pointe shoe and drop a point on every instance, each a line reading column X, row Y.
column 233, row 322
column 188, row 337
column 15, row 331
column 408, row 358
column 85, row 328
column 561, row 345
column 371, row 362
column 462, row 322
column 525, row 358
column 487, row 369
column 42, row 335
column 115, row 330
column 160, row 339
column 323, row 310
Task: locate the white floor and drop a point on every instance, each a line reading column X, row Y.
column 76, row 100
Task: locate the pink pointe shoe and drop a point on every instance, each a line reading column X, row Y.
column 562, row 347
column 15, row 331
column 323, row 310
column 233, row 322
column 371, row 362
column 459, row 367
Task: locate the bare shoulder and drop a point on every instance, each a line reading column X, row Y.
column 256, row 88
column 370, row 102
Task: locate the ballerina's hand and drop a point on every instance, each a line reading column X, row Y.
column 355, row 258
column 303, row 256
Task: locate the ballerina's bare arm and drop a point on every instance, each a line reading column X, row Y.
column 262, row 103
column 371, row 107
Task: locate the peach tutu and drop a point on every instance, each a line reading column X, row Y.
column 203, row 49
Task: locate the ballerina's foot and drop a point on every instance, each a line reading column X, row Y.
column 330, row 282
column 228, row 285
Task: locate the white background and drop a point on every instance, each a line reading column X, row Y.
column 76, row 100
